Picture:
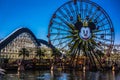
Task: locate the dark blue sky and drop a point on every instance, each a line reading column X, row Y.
column 36, row 14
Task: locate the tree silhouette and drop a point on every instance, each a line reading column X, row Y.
column 40, row 54
column 24, row 52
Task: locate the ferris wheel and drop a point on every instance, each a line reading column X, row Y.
column 82, row 27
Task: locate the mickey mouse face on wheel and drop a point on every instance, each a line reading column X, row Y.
column 85, row 33
column 85, row 29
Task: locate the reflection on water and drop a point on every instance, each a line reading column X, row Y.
column 62, row 75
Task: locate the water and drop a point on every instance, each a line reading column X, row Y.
column 62, row 75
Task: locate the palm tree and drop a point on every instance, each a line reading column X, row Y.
column 24, row 52
column 40, row 54
column 56, row 53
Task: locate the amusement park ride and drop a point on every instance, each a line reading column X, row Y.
column 82, row 27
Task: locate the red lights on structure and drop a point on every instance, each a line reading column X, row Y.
column 71, row 18
column 98, row 8
column 112, row 30
column 48, row 35
column 51, row 23
column 75, row 1
column 54, row 15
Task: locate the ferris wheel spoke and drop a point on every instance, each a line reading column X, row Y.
column 101, row 30
column 59, row 33
column 99, row 42
column 103, row 39
column 101, row 45
column 73, row 55
column 64, row 46
column 63, row 14
column 92, row 15
column 103, row 19
column 104, row 24
column 71, row 9
column 86, row 9
column 54, row 36
column 62, row 19
column 60, row 24
column 62, row 42
column 60, row 29
column 73, row 47
column 95, row 17
column 78, row 54
column 62, row 38
column 98, row 16
column 70, row 43
column 103, row 35
column 93, row 59
column 96, row 56
column 107, row 29
column 93, row 43
column 76, row 44
column 71, row 26
column 90, row 10
column 76, row 8
column 67, row 11
column 81, row 9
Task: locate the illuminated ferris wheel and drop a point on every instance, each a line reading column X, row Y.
column 82, row 27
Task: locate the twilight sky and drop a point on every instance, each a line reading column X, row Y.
column 36, row 14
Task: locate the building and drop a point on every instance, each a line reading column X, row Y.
column 20, row 38
column 115, row 54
